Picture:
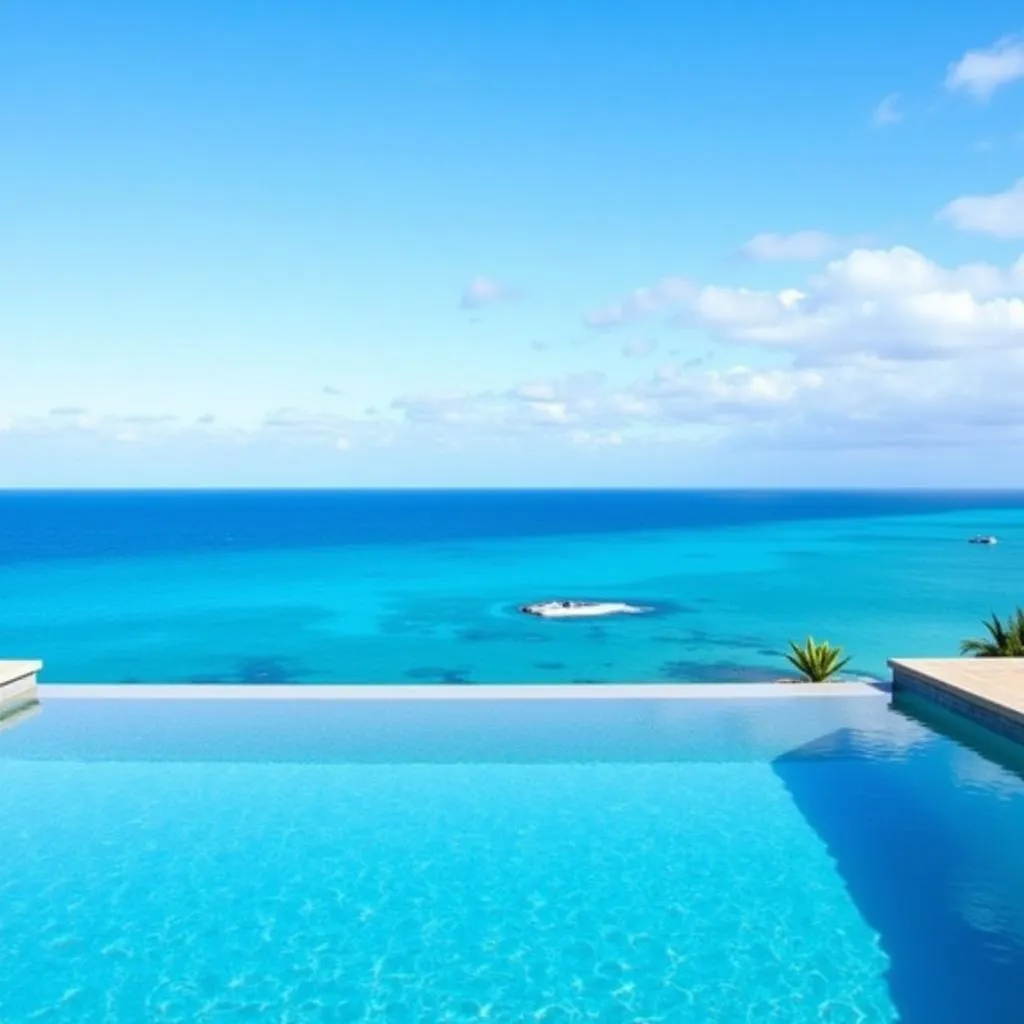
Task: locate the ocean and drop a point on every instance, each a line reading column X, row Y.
column 425, row 586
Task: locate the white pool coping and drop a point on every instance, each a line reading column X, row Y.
column 609, row 691
column 13, row 671
column 18, row 686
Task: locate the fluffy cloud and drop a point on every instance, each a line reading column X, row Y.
column 892, row 304
column 1000, row 214
column 73, row 420
column 800, row 246
column 587, row 408
column 879, row 347
column 861, row 401
column 888, row 111
column 339, row 431
column 450, row 407
column 485, row 291
column 663, row 295
column 979, row 73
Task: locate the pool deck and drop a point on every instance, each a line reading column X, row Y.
column 988, row 690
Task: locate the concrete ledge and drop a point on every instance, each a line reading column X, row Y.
column 18, row 686
column 609, row 691
column 988, row 691
column 22, row 713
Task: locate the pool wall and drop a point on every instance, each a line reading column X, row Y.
column 986, row 691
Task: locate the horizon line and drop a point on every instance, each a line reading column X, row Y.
column 510, row 488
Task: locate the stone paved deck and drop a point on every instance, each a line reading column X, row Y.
column 988, row 690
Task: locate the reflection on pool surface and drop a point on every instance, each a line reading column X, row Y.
column 614, row 861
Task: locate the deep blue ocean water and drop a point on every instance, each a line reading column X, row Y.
column 423, row 586
column 797, row 861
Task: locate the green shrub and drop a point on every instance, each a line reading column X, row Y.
column 816, row 661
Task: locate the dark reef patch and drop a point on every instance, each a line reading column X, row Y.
column 702, row 638
column 480, row 636
column 718, row 672
column 269, row 670
column 254, row 671
column 438, row 674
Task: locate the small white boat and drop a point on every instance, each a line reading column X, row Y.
column 983, row 539
column 580, row 609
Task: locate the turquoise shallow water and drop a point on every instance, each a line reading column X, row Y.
column 425, row 589
column 777, row 860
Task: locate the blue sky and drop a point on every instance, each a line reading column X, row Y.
column 511, row 243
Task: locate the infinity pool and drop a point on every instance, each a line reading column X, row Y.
column 701, row 859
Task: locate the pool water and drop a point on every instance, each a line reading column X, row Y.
column 819, row 859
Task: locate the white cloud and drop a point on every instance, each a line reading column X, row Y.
column 881, row 346
column 979, row 73
column 843, row 392
column 637, row 348
column 888, row 111
column 289, row 418
column 1000, row 214
column 800, row 246
column 435, row 407
column 589, row 410
column 893, row 304
column 878, row 347
column 666, row 293
column 68, row 420
column 485, row 291
column 859, row 402
column 296, row 426
column 536, row 391
column 902, row 269
column 596, row 438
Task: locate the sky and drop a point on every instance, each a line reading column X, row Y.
column 511, row 244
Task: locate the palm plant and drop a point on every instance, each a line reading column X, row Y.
column 816, row 661
column 1004, row 640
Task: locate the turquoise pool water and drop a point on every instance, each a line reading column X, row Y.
column 810, row 859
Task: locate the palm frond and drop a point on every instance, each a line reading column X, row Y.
column 816, row 661
column 1005, row 640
